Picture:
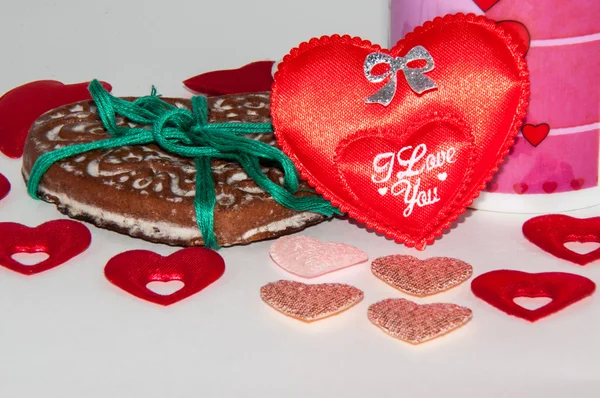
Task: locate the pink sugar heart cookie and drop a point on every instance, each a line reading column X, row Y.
column 421, row 277
column 310, row 303
column 308, row 258
column 414, row 323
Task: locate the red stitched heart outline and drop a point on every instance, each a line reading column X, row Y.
column 196, row 267
column 22, row 105
column 60, row 239
column 550, row 233
column 500, row 288
column 310, row 119
column 4, row 186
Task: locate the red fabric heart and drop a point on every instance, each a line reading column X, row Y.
column 61, row 240
column 4, row 186
column 485, row 5
column 519, row 32
column 549, row 186
column 551, row 232
column 196, row 267
column 21, row 106
column 577, row 183
column 520, row 188
column 500, row 288
column 535, row 134
column 254, row 77
column 357, row 154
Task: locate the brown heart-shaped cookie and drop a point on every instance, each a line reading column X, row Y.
column 421, row 277
column 414, row 323
column 310, row 303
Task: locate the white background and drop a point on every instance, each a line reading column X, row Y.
column 69, row 333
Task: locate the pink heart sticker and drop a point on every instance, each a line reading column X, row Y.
column 307, row 257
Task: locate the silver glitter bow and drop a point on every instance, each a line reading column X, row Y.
column 415, row 77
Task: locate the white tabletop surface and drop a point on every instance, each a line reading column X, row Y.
column 69, row 333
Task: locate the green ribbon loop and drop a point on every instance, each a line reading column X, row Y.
column 189, row 134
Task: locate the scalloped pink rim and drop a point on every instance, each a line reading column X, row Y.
column 461, row 205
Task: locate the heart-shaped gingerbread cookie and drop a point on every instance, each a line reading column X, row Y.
column 403, row 140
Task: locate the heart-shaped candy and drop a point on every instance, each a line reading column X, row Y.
column 310, row 303
column 403, row 140
column 416, row 323
column 500, row 288
column 551, row 232
column 22, row 105
column 308, row 258
column 4, row 186
column 196, row 267
column 61, row 240
column 421, row 277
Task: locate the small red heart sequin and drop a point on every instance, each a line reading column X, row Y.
column 551, row 232
column 21, row 106
column 520, row 188
column 549, row 186
column 4, row 186
column 61, row 240
column 500, row 288
column 577, row 183
column 535, row 134
column 251, row 78
column 196, row 267
column 485, row 5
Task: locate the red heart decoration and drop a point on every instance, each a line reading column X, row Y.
column 520, row 188
column 535, row 134
column 196, row 267
column 61, row 240
column 254, row 77
column 551, row 232
column 549, row 186
column 485, row 5
column 577, row 183
column 519, row 32
column 4, row 186
column 500, row 288
column 21, row 106
column 448, row 141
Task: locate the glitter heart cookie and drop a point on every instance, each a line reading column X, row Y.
column 310, row 303
column 414, row 323
column 308, row 258
column 421, row 277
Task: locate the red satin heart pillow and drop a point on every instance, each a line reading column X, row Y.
column 410, row 168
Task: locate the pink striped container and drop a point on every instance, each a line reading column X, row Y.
column 561, row 173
